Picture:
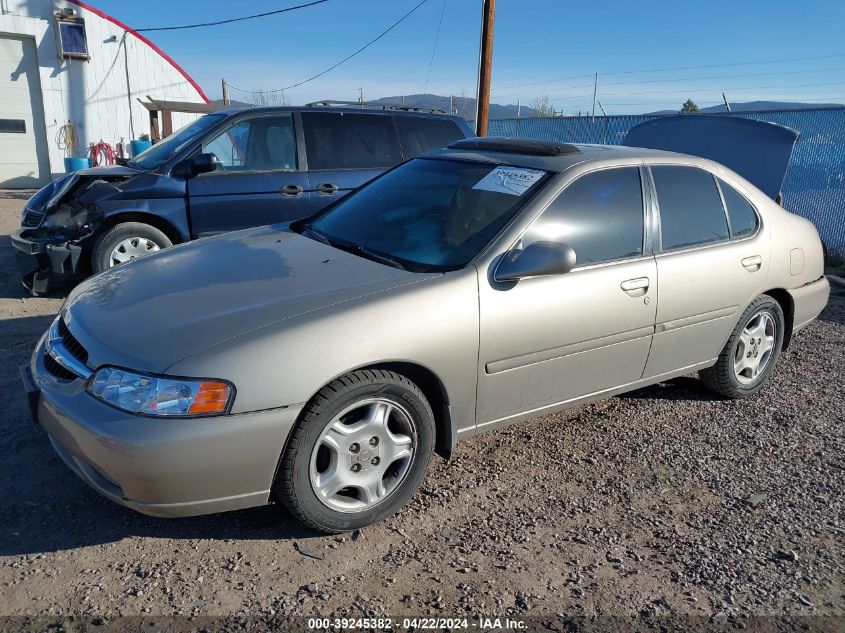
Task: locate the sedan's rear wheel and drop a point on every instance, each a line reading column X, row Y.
column 358, row 452
column 751, row 353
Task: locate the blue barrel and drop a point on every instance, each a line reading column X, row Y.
column 136, row 147
column 75, row 163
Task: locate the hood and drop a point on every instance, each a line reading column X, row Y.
column 155, row 311
column 758, row 151
column 51, row 195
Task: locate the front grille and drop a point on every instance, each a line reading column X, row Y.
column 57, row 370
column 32, row 219
column 71, row 344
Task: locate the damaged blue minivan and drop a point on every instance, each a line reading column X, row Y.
column 227, row 170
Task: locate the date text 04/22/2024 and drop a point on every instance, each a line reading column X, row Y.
column 481, row 623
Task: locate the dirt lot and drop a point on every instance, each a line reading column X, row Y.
column 660, row 503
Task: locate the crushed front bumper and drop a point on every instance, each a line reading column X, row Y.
column 45, row 260
column 161, row 467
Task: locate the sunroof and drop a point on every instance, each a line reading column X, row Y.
column 514, row 146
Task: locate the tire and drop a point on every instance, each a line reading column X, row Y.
column 311, row 459
column 137, row 233
column 725, row 377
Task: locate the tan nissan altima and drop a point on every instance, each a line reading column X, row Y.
column 321, row 364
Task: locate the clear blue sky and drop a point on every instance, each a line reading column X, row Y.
column 556, row 42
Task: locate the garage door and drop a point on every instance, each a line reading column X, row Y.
column 23, row 143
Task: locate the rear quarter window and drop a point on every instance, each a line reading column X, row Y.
column 344, row 140
column 742, row 214
column 422, row 134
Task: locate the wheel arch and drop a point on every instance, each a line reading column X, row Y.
column 446, row 433
column 156, row 221
column 787, row 305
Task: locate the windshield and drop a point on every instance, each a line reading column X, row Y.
column 169, row 147
column 428, row 214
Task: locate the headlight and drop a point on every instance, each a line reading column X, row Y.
column 160, row 396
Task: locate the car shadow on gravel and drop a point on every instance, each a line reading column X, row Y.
column 48, row 509
column 682, row 388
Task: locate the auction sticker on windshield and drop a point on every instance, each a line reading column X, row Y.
column 511, row 180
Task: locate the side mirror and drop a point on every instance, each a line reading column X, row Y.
column 204, row 163
column 539, row 258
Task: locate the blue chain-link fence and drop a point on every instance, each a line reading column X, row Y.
column 815, row 181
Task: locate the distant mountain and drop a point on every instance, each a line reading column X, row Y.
column 465, row 106
column 756, row 106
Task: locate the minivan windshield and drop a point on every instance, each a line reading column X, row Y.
column 427, row 214
column 165, row 149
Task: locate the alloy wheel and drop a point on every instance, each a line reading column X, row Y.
column 754, row 348
column 362, row 455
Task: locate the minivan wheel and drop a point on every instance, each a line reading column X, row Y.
column 751, row 353
column 358, row 452
column 124, row 242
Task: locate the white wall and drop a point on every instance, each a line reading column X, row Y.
column 93, row 94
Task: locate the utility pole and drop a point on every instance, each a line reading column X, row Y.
column 485, row 67
column 595, row 87
column 727, row 105
column 225, row 92
column 361, row 97
column 518, row 107
column 603, row 111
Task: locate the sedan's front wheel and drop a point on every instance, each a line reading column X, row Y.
column 358, row 452
column 751, row 353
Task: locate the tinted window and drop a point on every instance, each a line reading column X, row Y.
column 260, row 144
column 429, row 214
column 343, row 140
column 743, row 217
column 421, row 134
column 600, row 215
column 691, row 209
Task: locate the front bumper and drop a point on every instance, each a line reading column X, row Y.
column 161, row 467
column 44, row 260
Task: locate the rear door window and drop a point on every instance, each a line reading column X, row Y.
column 343, row 140
column 691, row 211
column 742, row 214
column 600, row 216
column 419, row 134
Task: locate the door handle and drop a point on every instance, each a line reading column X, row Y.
column 327, row 188
column 291, row 191
column 753, row 263
column 632, row 285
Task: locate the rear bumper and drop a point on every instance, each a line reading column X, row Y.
column 808, row 301
column 160, row 467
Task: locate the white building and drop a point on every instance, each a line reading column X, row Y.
column 67, row 62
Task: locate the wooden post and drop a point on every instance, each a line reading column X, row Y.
column 225, row 92
column 155, row 135
column 166, row 123
column 485, row 67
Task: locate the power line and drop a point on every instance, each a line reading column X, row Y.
column 659, row 70
column 229, row 21
column 434, row 50
column 342, row 61
column 675, row 79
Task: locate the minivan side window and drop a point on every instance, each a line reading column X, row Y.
column 421, row 134
column 691, row 211
column 742, row 214
column 600, row 215
column 343, row 140
column 265, row 143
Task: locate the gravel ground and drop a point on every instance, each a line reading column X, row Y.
column 666, row 502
